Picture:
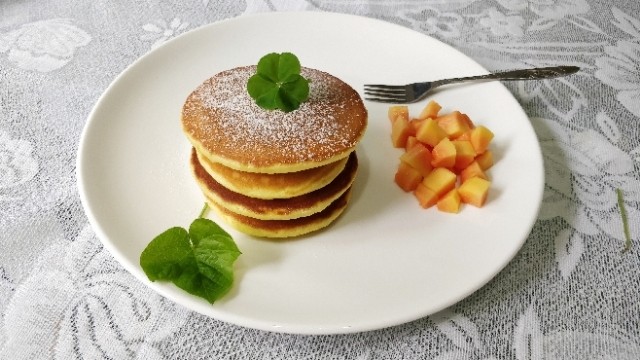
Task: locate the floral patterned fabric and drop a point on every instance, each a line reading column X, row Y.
column 570, row 293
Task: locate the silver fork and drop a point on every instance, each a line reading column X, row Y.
column 413, row 92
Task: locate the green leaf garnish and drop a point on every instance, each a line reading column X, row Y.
column 278, row 84
column 204, row 210
column 199, row 261
column 625, row 221
column 167, row 255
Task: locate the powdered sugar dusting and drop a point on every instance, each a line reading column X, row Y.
column 229, row 121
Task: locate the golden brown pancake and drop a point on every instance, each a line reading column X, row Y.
column 272, row 186
column 284, row 228
column 226, row 126
column 275, row 209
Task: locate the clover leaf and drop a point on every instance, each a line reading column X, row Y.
column 277, row 83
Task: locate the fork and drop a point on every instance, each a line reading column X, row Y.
column 413, row 92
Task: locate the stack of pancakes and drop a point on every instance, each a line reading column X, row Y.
column 271, row 173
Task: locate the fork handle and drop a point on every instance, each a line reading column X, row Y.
column 522, row 74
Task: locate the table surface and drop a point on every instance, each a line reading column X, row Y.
column 570, row 293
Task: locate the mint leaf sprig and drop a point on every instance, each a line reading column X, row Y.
column 278, row 84
column 199, row 261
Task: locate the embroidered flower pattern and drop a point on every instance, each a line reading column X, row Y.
column 559, row 8
column 463, row 334
column 86, row 306
column 445, row 24
column 531, row 342
column 17, row 164
column 581, row 185
column 163, row 31
column 548, row 9
column 620, row 69
column 502, row 24
column 43, row 45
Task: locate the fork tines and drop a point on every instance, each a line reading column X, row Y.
column 386, row 93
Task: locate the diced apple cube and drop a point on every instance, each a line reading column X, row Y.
column 450, row 202
column 430, row 110
column 407, row 177
column 440, row 180
column 473, row 170
column 430, row 133
column 454, row 124
column 444, row 154
column 419, row 158
column 480, row 138
column 396, row 111
column 485, row 160
column 474, row 191
column 400, row 132
column 426, row 197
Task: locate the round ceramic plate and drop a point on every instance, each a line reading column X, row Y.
column 385, row 261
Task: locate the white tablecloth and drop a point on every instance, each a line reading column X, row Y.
column 570, row 293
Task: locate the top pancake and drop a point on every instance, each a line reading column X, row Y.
column 224, row 124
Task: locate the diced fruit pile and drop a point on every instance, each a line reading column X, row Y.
column 446, row 157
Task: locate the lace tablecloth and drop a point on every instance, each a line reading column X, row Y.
column 572, row 292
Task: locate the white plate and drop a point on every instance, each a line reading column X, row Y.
column 386, row 261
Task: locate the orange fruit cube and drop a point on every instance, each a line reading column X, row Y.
column 400, row 132
column 473, row 170
column 485, row 160
column 411, row 140
column 474, row 191
column 480, row 138
column 440, row 180
column 395, row 111
column 426, row 197
column 450, row 202
column 454, row 124
column 430, row 133
column 465, row 153
column 407, row 177
column 430, row 110
column 415, row 124
column 465, row 136
column 444, row 154
column 467, row 119
column 419, row 158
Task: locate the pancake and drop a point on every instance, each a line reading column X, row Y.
column 275, row 209
column 284, row 228
column 272, row 186
column 226, row 126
